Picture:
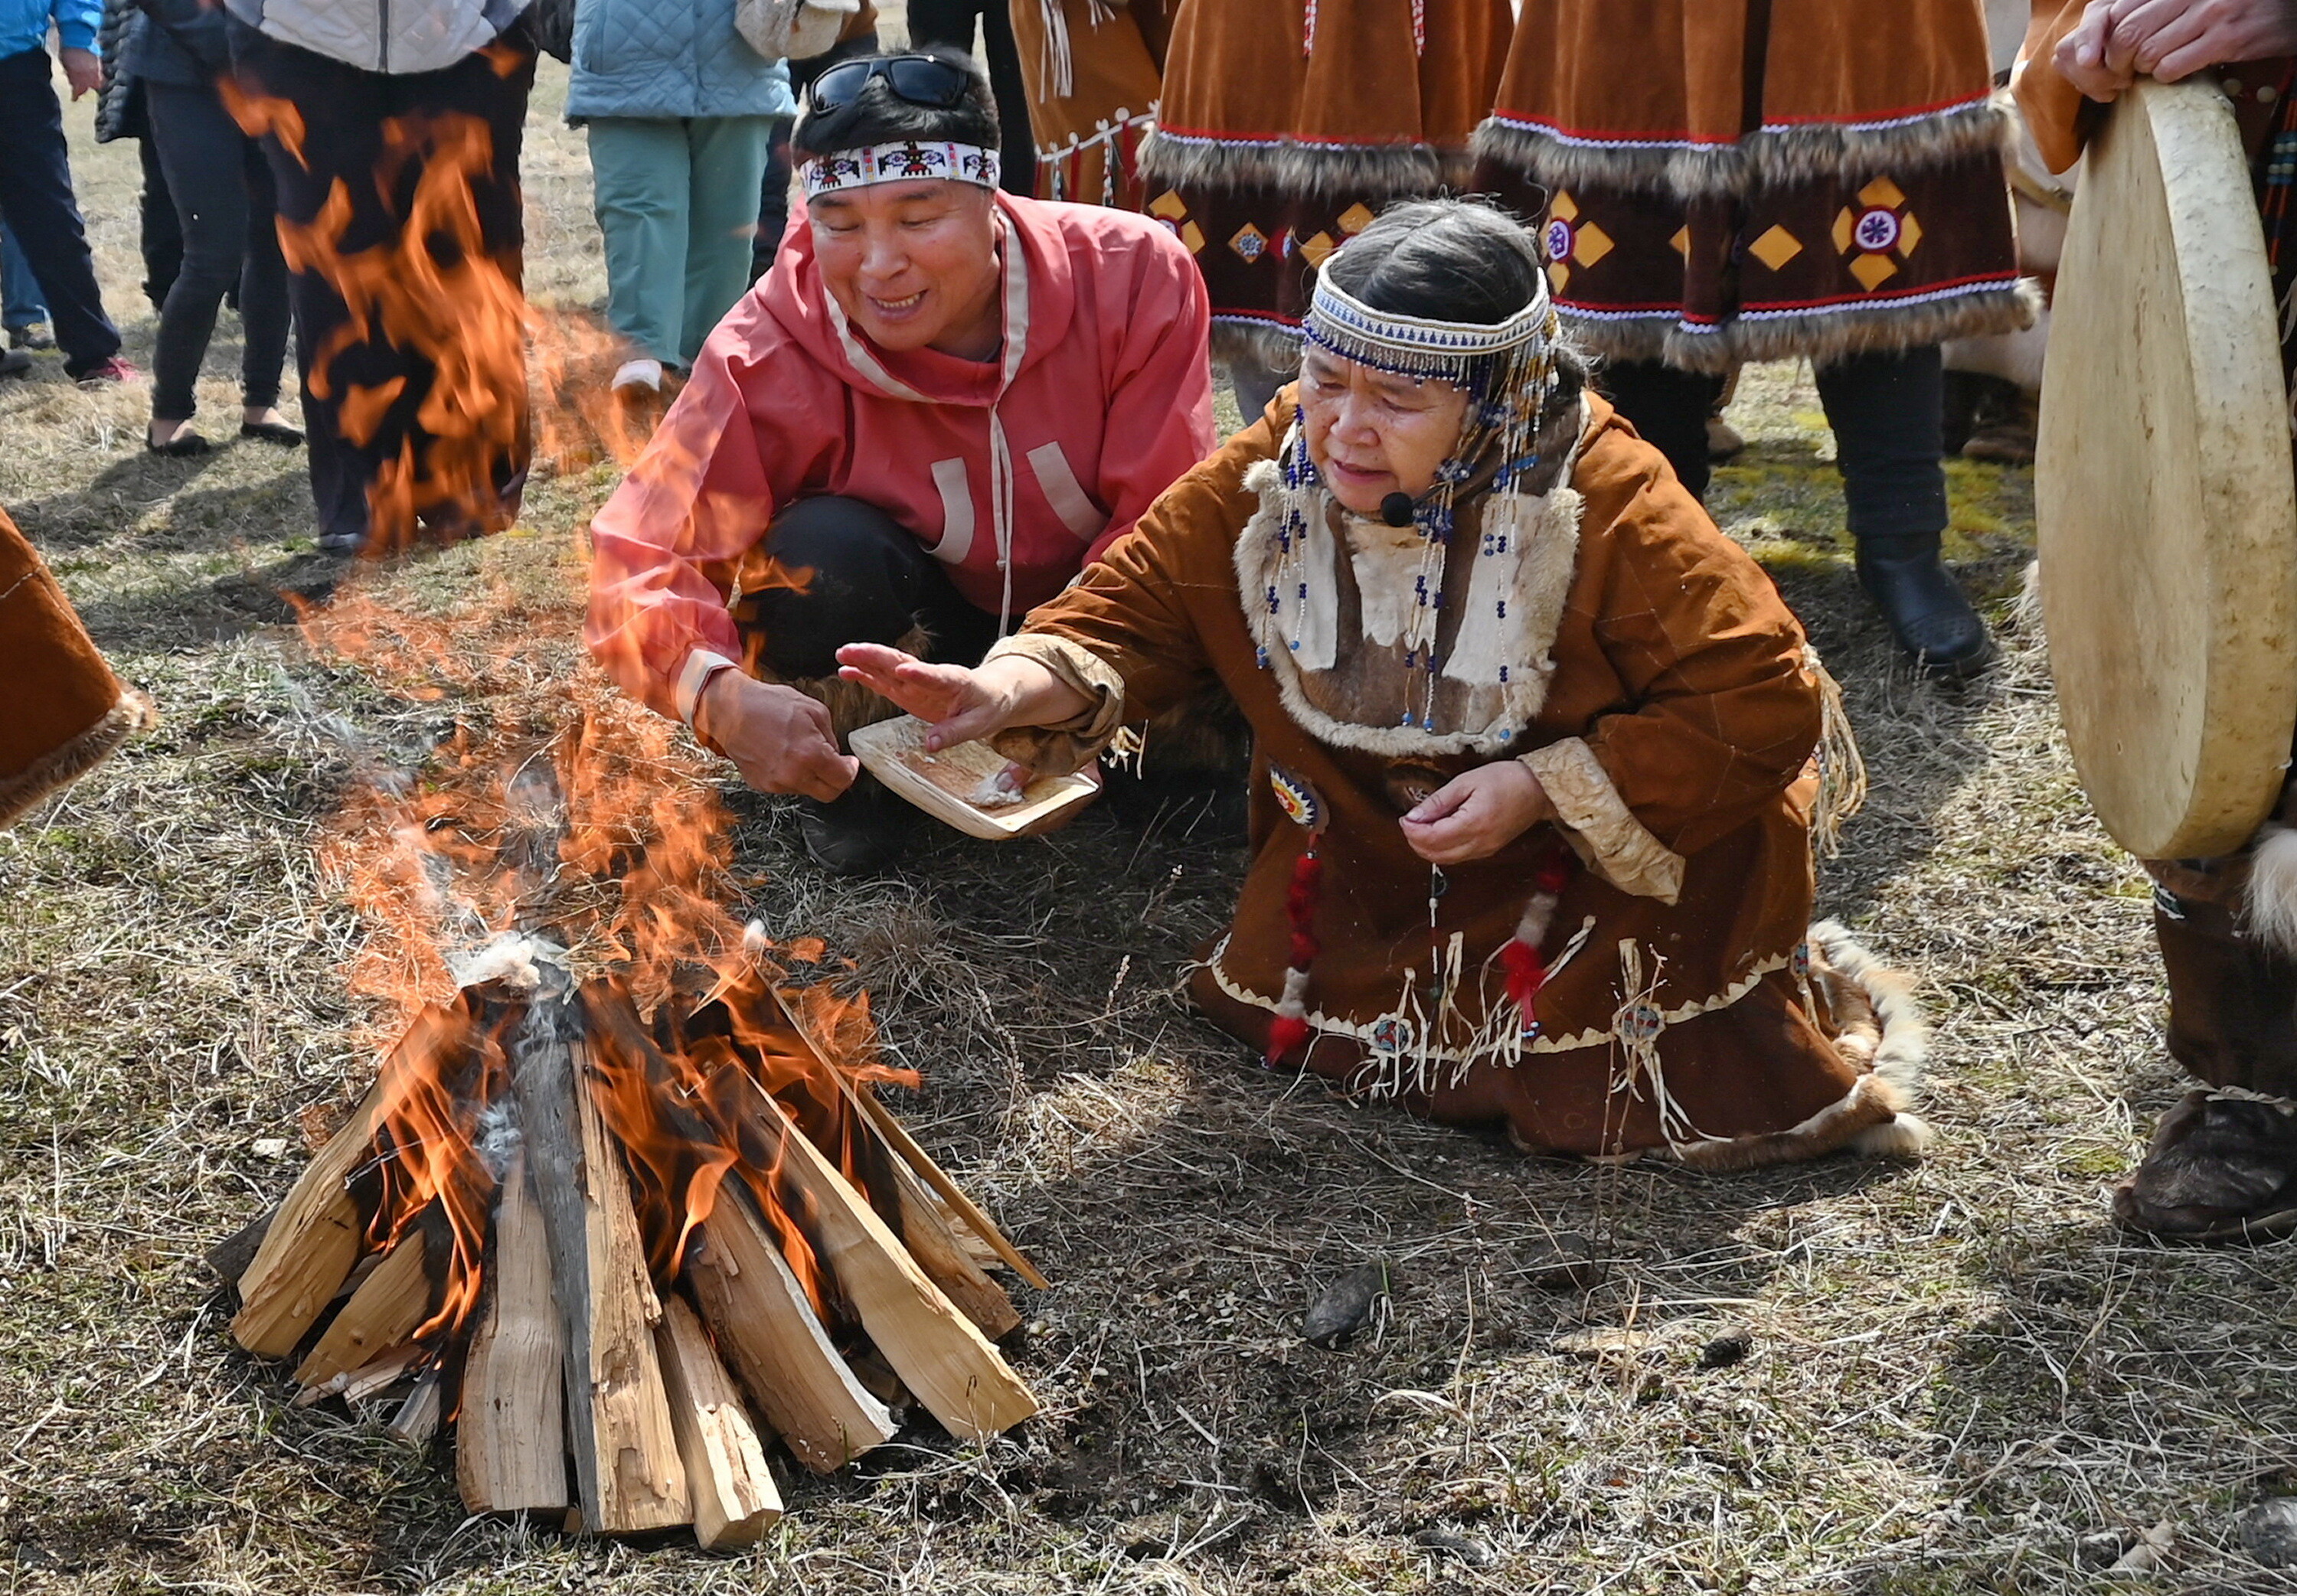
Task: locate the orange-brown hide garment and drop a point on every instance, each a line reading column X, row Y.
column 1683, row 670
column 1677, row 70
column 66, row 710
column 1094, row 81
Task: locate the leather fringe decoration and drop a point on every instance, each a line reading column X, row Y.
column 1841, row 768
column 1290, row 1029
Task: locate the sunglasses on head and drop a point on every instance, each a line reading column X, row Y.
column 918, row 79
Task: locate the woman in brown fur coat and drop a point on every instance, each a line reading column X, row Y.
column 1721, row 181
column 66, row 712
column 1534, row 778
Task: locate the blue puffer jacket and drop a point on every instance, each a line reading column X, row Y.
column 669, row 58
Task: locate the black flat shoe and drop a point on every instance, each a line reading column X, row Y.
column 272, row 432
column 863, row 833
column 183, row 446
column 1928, row 614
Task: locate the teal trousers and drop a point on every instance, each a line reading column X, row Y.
column 678, row 201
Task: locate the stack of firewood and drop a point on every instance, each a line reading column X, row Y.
column 622, row 1257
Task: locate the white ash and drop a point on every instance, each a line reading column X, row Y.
column 516, row 958
column 991, row 793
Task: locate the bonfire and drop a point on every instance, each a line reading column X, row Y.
column 622, row 1207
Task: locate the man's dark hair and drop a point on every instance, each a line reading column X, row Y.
column 879, row 116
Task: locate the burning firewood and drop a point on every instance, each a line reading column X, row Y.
column 628, row 1254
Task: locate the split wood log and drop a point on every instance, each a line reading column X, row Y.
column 313, row 1241
column 417, row 1418
column 360, row 1383
column 946, row 1363
column 510, row 1441
column 628, row 1474
column 735, row 1502
column 898, row 1138
column 775, row 1342
column 926, row 1231
column 381, row 1315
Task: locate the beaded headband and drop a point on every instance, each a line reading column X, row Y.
column 1415, row 346
column 904, row 162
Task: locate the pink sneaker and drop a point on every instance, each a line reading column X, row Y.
column 113, row 370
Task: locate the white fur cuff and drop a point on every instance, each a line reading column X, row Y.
column 1600, row 827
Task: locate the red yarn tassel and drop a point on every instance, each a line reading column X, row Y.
column 1290, row 1028
column 1526, row 972
column 1286, row 1033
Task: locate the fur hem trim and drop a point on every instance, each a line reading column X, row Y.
column 61, row 766
column 1373, row 173
column 2268, row 898
column 1824, row 336
column 850, row 707
column 1272, row 346
column 1598, row 824
column 1776, row 156
column 1872, row 1119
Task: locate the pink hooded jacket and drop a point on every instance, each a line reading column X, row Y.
column 1100, row 399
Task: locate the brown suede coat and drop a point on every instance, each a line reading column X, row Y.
column 1729, row 180
column 65, row 711
column 1286, row 125
column 1680, row 703
column 1095, row 74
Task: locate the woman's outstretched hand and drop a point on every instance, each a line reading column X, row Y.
column 960, row 705
column 1475, row 814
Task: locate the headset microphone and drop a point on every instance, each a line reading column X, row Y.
column 1395, row 509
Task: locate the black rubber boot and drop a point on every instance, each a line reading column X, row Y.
column 1926, row 609
column 863, row 833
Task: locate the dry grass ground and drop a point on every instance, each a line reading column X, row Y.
column 1957, row 1376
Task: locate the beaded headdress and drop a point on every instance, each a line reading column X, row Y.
column 1507, row 369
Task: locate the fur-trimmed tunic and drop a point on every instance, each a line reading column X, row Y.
column 1672, row 713
column 1729, row 180
column 68, row 711
column 1286, row 125
column 1095, row 71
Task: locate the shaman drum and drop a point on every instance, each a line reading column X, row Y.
column 2163, row 487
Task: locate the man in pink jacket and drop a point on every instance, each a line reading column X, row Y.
column 935, row 410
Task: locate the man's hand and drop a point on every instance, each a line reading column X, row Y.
column 2170, row 40
column 1474, row 816
column 782, row 740
column 2118, row 40
column 82, row 71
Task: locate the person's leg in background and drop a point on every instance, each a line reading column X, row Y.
column 199, row 147
column 38, row 206
column 162, row 232
column 1668, row 410
column 640, row 182
column 872, row 582
column 22, row 311
column 263, row 308
column 952, row 22
column 728, row 156
column 1887, row 410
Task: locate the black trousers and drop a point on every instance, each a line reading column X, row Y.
column 160, row 232
column 1888, row 412
column 951, row 22
column 865, row 580
column 223, row 193
column 362, row 462
column 38, row 209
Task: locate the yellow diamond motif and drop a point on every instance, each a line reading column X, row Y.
column 1882, row 192
column 1250, row 243
column 1564, row 208
column 1775, row 248
column 1318, row 248
column 1168, row 205
column 1844, row 225
column 1354, row 219
column 1682, row 241
column 1193, row 236
column 1873, row 271
column 1558, row 276
column 1592, row 244
column 1910, row 233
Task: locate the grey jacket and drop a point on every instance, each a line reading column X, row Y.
column 397, row 37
